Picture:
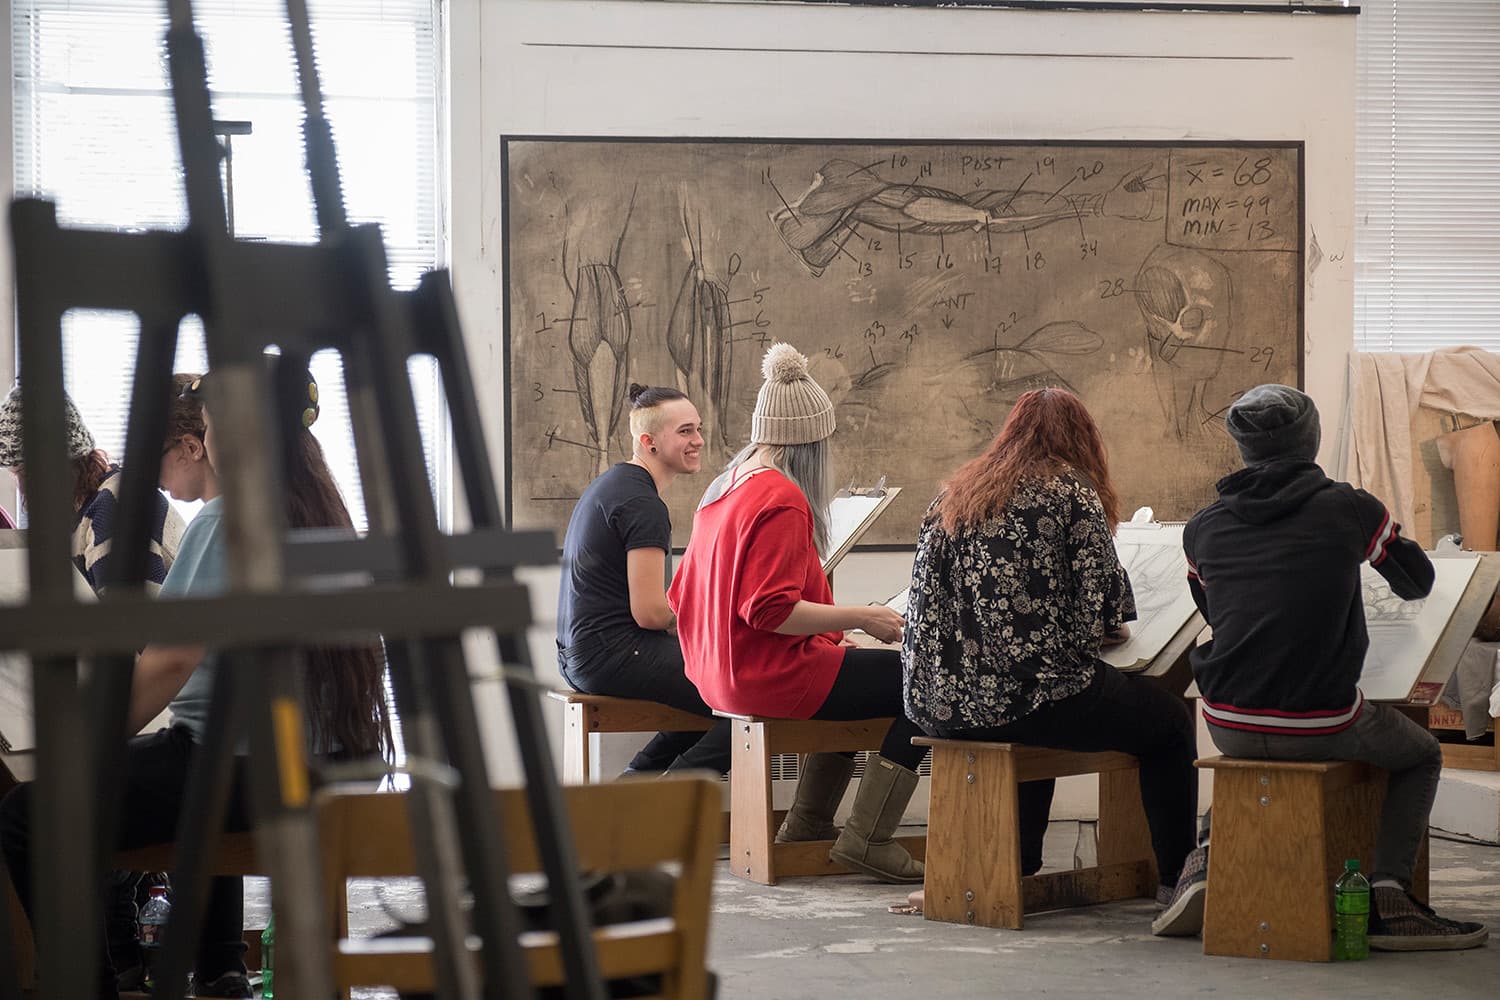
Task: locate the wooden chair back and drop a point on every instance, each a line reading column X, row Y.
column 627, row 826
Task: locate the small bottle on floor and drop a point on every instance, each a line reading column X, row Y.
column 153, row 925
column 1351, row 906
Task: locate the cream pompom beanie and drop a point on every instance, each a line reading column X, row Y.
column 791, row 408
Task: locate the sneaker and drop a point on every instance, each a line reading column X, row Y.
column 1400, row 923
column 1183, row 916
column 230, row 984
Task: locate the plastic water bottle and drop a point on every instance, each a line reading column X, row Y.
column 268, row 960
column 1351, row 906
column 151, row 927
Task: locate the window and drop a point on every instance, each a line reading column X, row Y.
column 94, row 132
column 1427, row 197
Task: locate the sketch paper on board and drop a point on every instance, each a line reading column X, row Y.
column 1404, row 633
column 1153, row 557
column 850, row 516
column 930, row 283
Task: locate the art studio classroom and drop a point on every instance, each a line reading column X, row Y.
column 786, row 499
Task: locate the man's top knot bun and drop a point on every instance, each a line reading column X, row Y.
column 783, row 363
column 635, row 390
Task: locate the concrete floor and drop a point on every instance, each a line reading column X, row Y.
column 832, row 937
column 823, row 938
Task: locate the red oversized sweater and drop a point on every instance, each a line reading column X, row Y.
column 750, row 560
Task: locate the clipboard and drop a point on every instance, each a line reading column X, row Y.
column 850, row 514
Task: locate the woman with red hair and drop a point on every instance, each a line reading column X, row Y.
column 1015, row 587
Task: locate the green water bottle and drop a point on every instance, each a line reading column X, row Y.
column 1351, row 907
column 268, row 960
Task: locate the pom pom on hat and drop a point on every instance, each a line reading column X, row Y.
column 783, row 363
column 791, row 408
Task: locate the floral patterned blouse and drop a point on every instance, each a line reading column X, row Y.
column 1007, row 617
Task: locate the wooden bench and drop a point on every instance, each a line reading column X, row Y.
column 753, row 821
column 588, row 714
column 1281, row 833
column 1465, row 756
column 609, row 837
column 974, row 837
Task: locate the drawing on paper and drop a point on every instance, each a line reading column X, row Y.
column 929, row 283
column 1157, row 567
column 1404, row 633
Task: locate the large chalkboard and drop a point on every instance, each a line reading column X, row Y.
column 931, row 284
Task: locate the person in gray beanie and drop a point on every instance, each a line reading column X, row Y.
column 1274, row 565
column 760, row 632
column 1272, row 422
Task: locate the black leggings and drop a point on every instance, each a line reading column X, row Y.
column 869, row 687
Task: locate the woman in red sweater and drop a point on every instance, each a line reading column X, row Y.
column 762, row 636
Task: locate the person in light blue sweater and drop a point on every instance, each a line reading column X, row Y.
column 343, row 696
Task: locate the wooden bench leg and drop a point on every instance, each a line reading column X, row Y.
column 751, row 821
column 974, row 793
column 1124, row 835
column 577, row 768
column 1280, row 839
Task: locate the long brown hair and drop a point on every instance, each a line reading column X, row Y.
column 1048, row 433
column 345, row 684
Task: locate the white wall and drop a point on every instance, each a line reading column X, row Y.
column 783, row 70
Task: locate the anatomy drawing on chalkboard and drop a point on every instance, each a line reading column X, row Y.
column 1187, row 299
column 817, row 226
column 929, row 284
column 699, row 334
column 599, row 340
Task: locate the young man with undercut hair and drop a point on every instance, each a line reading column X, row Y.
column 616, row 635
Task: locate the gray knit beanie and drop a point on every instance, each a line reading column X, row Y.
column 1273, row 422
column 80, row 441
column 791, row 408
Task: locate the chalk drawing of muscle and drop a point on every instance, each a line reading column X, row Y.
column 599, row 341
column 1027, row 365
column 1187, row 301
column 698, row 338
column 844, row 194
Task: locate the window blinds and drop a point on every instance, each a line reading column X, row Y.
column 94, row 132
column 1427, row 196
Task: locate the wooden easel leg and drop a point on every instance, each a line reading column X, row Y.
column 751, row 823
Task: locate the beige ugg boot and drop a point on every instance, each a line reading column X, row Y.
column 820, row 789
column 866, row 843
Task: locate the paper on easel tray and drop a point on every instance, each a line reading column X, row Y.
column 1403, row 634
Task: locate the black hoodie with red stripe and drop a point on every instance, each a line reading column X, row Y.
column 1274, row 567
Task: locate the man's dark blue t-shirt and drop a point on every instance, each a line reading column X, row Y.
column 619, row 511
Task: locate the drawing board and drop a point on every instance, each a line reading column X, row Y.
column 850, row 515
column 1152, row 556
column 1403, row 634
column 930, row 283
column 16, row 732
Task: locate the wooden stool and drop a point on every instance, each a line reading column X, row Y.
column 753, row 851
column 1281, row 833
column 597, row 713
column 973, row 826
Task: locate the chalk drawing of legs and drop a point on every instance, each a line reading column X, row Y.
column 1187, row 300
column 599, row 342
column 699, row 335
column 844, row 195
column 1156, row 573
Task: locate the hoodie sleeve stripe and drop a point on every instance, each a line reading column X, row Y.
column 1386, row 534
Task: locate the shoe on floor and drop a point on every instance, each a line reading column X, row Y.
column 230, row 984
column 1183, row 916
column 132, row 980
column 1400, row 923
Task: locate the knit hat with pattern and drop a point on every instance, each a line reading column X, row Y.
column 791, row 408
column 80, row 441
